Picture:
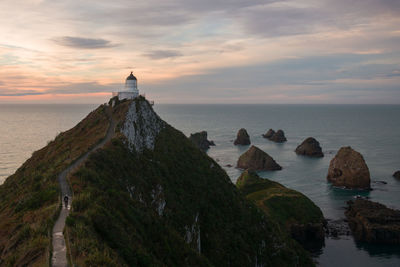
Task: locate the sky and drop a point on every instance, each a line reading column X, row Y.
column 201, row 51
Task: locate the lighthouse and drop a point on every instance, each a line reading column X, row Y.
column 130, row 90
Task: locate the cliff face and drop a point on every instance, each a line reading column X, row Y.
column 150, row 197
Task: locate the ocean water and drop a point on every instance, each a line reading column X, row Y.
column 373, row 130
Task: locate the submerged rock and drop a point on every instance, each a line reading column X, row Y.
column 242, row 138
column 200, row 140
column 373, row 222
column 269, row 134
column 348, row 169
column 278, row 137
column 292, row 210
column 396, row 175
column 310, row 147
column 256, row 159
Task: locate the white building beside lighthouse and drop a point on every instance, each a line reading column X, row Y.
column 130, row 90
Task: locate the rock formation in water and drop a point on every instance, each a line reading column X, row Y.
column 396, row 175
column 278, row 137
column 310, row 147
column 143, row 199
column 201, row 141
column 269, row 134
column 256, row 159
column 348, row 169
column 292, row 210
column 242, row 138
column 373, row 222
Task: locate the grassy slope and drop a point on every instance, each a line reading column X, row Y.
column 115, row 220
column 29, row 199
column 284, row 205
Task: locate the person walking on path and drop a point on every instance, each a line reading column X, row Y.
column 66, row 201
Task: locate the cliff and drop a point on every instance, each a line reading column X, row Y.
column 148, row 197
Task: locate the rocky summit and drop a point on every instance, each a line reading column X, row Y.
column 147, row 197
column 201, row 141
column 348, row 169
column 373, row 222
column 256, row 159
column 310, row 147
column 242, row 138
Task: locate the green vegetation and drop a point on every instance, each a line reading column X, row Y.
column 289, row 208
column 157, row 208
column 119, row 218
column 29, row 199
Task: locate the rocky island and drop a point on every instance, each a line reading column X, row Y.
column 242, row 138
column 373, row 222
column 348, row 169
column 310, row 147
column 396, row 175
column 277, row 137
column 148, row 196
column 256, row 159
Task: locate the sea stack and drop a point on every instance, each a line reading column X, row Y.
column 256, row 159
column 200, row 140
column 396, row 175
column 242, row 138
column 348, row 169
column 278, row 137
column 269, row 134
column 310, row 147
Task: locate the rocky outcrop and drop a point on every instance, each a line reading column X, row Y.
column 242, row 138
column 278, row 137
column 348, row 169
column 269, row 134
column 396, row 175
column 373, row 222
column 293, row 211
column 310, row 147
column 256, row 159
column 200, row 140
column 141, row 126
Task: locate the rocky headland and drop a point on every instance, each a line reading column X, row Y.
column 291, row 209
column 256, row 159
column 373, row 222
column 201, row 141
column 142, row 199
column 348, row 169
column 242, row 138
column 310, row 147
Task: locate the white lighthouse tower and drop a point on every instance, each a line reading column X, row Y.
column 130, row 91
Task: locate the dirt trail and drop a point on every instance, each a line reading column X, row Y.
column 59, row 258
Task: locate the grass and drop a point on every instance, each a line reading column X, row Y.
column 116, row 220
column 29, row 199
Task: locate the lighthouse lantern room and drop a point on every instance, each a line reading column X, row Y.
column 130, row 91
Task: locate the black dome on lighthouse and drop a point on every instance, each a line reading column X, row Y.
column 131, row 77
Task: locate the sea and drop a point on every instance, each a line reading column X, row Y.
column 372, row 130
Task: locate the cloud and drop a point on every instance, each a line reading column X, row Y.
column 161, row 54
column 19, row 92
column 83, row 43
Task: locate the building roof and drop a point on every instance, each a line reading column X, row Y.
column 131, row 77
